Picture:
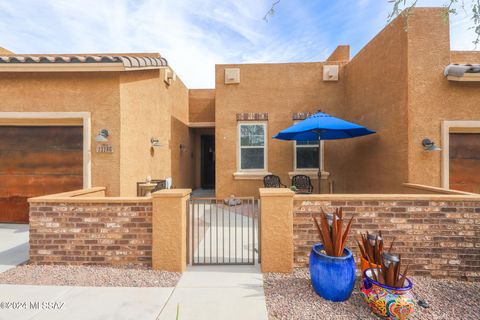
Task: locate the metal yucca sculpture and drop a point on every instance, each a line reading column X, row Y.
column 332, row 235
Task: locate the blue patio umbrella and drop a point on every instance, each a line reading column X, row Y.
column 322, row 126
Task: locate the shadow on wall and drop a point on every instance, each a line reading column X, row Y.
column 182, row 147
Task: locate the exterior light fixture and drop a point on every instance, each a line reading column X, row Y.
column 102, row 136
column 429, row 145
column 154, row 142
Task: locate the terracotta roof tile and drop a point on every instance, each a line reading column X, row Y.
column 129, row 62
column 459, row 70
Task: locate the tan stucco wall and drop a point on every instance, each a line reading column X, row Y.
column 145, row 113
column 280, row 90
column 432, row 98
column 169, row 229
column 151, row 108
column 341, row 53
column 277, row 230
column 182, row 165
column 376, row 97
column 472, row 57
column 182, row 161
column 97, row 93
column 201, row 105
column 5, row 51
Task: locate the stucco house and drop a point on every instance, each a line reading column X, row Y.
column 73, row 121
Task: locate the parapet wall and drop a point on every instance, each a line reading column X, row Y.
column 437, row 235
column 85, row 227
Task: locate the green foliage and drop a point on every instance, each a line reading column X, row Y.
column 452, row 6
column 405, row 6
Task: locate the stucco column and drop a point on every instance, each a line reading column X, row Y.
column 276, row 230
column 169, row 229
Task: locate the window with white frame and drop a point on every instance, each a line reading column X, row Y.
column 252, row 146
column 306, row 154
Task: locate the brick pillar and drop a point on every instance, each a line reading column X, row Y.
column 169, row 229
column 276, row 230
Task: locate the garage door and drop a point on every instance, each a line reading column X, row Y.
column 37, row 161
column 465, row 161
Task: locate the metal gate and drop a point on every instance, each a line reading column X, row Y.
column 224, row 232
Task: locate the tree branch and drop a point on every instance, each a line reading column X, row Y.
column 402, row 7
column 271, row 12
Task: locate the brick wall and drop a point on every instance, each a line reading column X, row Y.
column 438, row 238
column 91, row 233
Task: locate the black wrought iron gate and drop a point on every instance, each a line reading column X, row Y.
column 224, row 232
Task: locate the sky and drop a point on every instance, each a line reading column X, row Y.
column 195, row 35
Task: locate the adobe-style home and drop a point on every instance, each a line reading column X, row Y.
column 84, row 120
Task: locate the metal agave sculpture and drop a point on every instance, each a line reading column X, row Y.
column 387, row 265
column 332, row 235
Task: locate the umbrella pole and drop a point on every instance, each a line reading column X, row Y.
column 319, row 178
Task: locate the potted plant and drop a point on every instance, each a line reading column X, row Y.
column 371, row 249
column 332, row 266
column 386, row 290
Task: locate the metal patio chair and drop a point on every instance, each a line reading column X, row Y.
column 272, row 181
column 302, row 183
column 161, row 184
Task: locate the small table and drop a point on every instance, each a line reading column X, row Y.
column 147, row 187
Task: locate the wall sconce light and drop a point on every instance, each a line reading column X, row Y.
column 102, row 136
column 429, row 145
column 183, row 147
column 154, row 142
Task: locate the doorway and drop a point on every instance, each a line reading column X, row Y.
column 207, row 161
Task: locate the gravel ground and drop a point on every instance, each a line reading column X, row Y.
column 292, row 297
column 95, row 276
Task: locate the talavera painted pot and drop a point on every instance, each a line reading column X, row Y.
column 388, row 302
column 333, row 278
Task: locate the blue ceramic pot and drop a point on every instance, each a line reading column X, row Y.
column 333, row 278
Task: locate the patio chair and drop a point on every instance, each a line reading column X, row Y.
column 302, row 183
column 161, row 184
column 272, row 181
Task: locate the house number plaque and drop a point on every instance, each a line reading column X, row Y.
column 104, row 148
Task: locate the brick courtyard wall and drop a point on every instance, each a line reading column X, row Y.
column 88, row 229
column 437, row 235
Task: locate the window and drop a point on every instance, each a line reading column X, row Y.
column 306, row 155
column 252, row 153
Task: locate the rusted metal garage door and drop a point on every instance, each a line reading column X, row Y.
column 37, row 161
column 465, row 161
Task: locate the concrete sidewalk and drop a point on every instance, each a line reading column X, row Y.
column 81, row 303
column 218, row 292
column 13, row 245
column 226, row 292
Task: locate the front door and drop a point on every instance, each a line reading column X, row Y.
column 207, row 159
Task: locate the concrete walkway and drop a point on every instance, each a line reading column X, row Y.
column 203, row 293
column 227, row 292
column 13, row 245
column 213, row 292
column 81, row 303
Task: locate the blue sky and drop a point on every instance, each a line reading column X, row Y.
column 195, row 35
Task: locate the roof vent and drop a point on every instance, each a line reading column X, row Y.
column 330, row 73
column 232, row 75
